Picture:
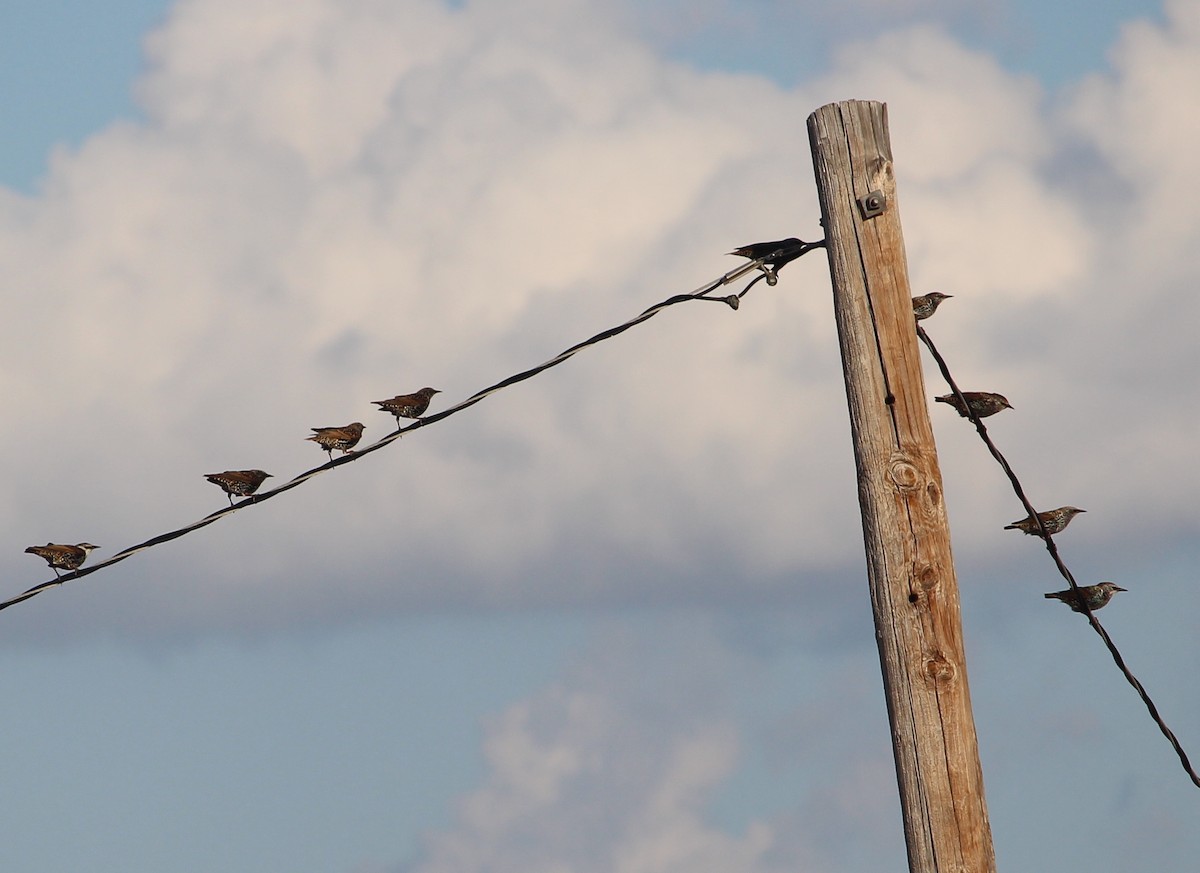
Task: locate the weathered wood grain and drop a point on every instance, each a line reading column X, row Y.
column 914, row 592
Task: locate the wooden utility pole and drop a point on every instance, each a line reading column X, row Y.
column 914, row 593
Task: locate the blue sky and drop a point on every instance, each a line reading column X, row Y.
column 69, row 67
column 592, row 623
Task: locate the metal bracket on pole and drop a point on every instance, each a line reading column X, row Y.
column 873, row 204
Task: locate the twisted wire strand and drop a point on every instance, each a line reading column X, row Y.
column 1058, row 561
column 702, row 293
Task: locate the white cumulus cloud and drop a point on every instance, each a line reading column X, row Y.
column 341, row 201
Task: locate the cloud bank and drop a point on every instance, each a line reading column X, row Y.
column 336, row 203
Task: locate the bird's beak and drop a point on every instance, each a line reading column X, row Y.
column 1119, row 588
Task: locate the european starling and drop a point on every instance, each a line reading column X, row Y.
column 344, row 438
column 1054, row 520
column 754, row 251
column 1096, row 596
column 407, row 405
column 982, row 403
column 238, row 482
column 63, row 557
column 927, row 304
column 775, row 259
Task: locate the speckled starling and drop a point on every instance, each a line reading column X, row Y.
column 344, row 438
column 1096, row 596
column 927, row 304
column 407, row 405
column 241, row 483
column 982, row 403
column 1054, row 520
column 61, row 557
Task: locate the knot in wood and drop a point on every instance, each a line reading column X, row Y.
column 926, row 576
column 924, row 579
column 939, row 670
column 904, row 474
column 933, row 493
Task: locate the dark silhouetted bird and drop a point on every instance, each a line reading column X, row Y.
column 1053, row 520
column 343, row 438
column 927, row 304
column 777, row 253
column 1096, row 596
column 240, row 483
column 754, row 251
column 407, row 405
column 982, row 403
column 61, row 557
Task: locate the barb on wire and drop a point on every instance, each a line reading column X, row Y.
column 768, row 265
column 1058, row 561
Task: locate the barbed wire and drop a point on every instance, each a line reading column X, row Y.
column 767, row 266
column 1048, row 539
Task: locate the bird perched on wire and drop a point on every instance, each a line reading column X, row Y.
column 1096, row 596
column 776, row 252
column 240, row 483
column 1053, row 520
column 343, row 438
column 407, row 405
column 927, row 304
column 63, row 557
column 982, row 403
